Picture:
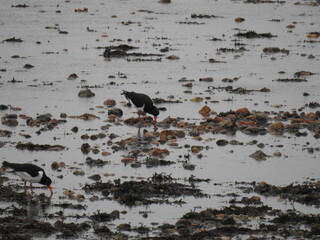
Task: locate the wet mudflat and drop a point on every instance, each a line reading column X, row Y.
column 235, row 152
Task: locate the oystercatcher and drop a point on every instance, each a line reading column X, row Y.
column 142, row 100
column 30, row 173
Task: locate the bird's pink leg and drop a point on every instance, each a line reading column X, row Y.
column 25, row 187
column 31, row 187
column 139, row 117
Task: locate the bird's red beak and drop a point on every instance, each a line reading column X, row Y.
column 50, row 188
column 155, row 119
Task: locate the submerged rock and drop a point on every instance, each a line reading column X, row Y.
column 28, row 66
column 87, row 93
column 72, row 76
column 258, row 155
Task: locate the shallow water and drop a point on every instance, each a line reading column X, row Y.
column 59, row 55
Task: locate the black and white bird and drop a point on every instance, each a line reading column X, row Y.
column 30, row 173
column 141, row 100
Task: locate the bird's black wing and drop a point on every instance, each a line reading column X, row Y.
column 31, row 169
column 138, row 99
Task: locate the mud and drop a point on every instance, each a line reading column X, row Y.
column 156, row 191
column 234, row 153
column 243, row 217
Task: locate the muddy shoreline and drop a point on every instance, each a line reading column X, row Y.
column 235, row 152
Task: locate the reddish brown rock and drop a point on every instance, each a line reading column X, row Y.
column 239, row 19
column 196, row 149
column 245, row 123
column 277, row 126
column 173, row 57
column 205, row 111
column 242, row 111
column 109, row 103
column 127, row 160
column 157, row 152
column 105, row 153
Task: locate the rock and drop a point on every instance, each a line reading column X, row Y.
column 189, row 85
column 242, row 111
column 277, row 154
column 28, row 66
column 10, row 122
column 95, row 150
column 44, row 118
column 80, row 197
column 101, row 229
column 86, row 93
column 222, row 142
column 72, row 76
column 312, row 35
column 252, row 130
column 85, row 148
column 131, row 121
column 198, row 138
column 3, row 107
column 95, row 177
column 277, row 126
column 85, row 136
column 68, row 193
column 258, row 155
column 62, row 164
column 93, row 137
column 127, row 160
column 205, row 111
column 101, row 135
column 206, row 79
column 105, row 153
column 75, row 129
column 124, row 227
column 189, row 166
column 109, row 103
column 10, row 116
column 196, row 99
column 80, row 10
column 196, row 149
column 115, row 111
column 95, row 162
column 166, row 135
column 239, row 19
column 157, row 152
column 79, row 173
column 173, row 57
column 180, row 134
column 5, row 133
column 246, row 123
column 109, row 174
column 55, row 165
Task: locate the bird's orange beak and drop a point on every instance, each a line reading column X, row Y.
column 155, row 119
column 50, row 188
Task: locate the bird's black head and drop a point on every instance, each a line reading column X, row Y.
column 152, row 110
column 45, row 180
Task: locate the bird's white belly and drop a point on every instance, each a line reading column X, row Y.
column 25, row 176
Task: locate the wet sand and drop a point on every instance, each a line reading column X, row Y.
column 258, row 76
